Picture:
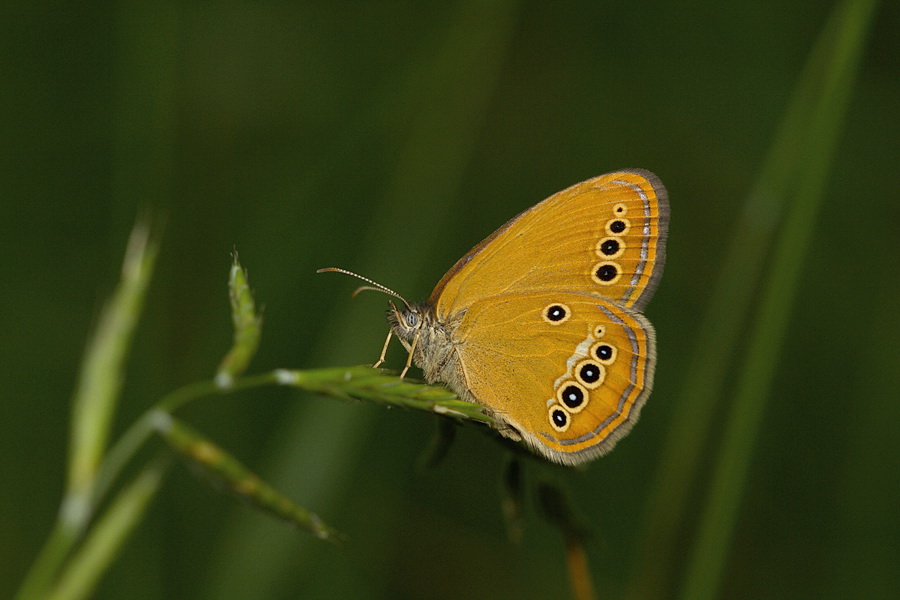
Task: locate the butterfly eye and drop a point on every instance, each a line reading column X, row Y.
column 590, row 374
column 559, row 418
column 573, row 396
column 605, row 353
column 556, row 314
column 411, row 319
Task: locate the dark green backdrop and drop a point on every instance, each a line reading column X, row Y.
column 389, row 138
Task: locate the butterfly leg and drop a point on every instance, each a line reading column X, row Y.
column 383, row 350
column 412, row 349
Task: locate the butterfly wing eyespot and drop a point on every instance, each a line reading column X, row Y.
column 606, row 273
column 573, row 396
column 590, row 374
column 556, row 314
column 619, row 226
column 559, row 418
column 603, row 352
column 610, row 247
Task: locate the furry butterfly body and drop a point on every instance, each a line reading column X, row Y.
column 540, row 323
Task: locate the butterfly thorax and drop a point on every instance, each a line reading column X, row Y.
column 434, row 349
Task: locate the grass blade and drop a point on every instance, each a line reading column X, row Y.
column 730, row 305
column 102, row 370
column 838, row 55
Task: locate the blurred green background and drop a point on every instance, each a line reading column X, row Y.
column 389, row 138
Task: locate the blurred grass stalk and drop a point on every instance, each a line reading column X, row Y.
column 106, row 537
column 792, row 182
column 93, row 406
column 102, row 372
column 558, row 510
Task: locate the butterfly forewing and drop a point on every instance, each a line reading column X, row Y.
column 603, row 237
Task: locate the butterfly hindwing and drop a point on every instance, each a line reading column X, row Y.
column 569, row 371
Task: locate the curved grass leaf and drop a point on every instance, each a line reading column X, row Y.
column 224, row 469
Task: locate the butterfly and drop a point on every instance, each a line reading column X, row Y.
column 541, row 322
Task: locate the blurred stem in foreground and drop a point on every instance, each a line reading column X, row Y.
column 102, row 373
column 106, row 537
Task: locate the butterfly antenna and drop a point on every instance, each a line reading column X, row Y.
column 373, row 285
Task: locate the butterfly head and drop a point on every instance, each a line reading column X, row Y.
column 406, row 321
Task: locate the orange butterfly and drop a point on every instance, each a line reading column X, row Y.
column 540, row 322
